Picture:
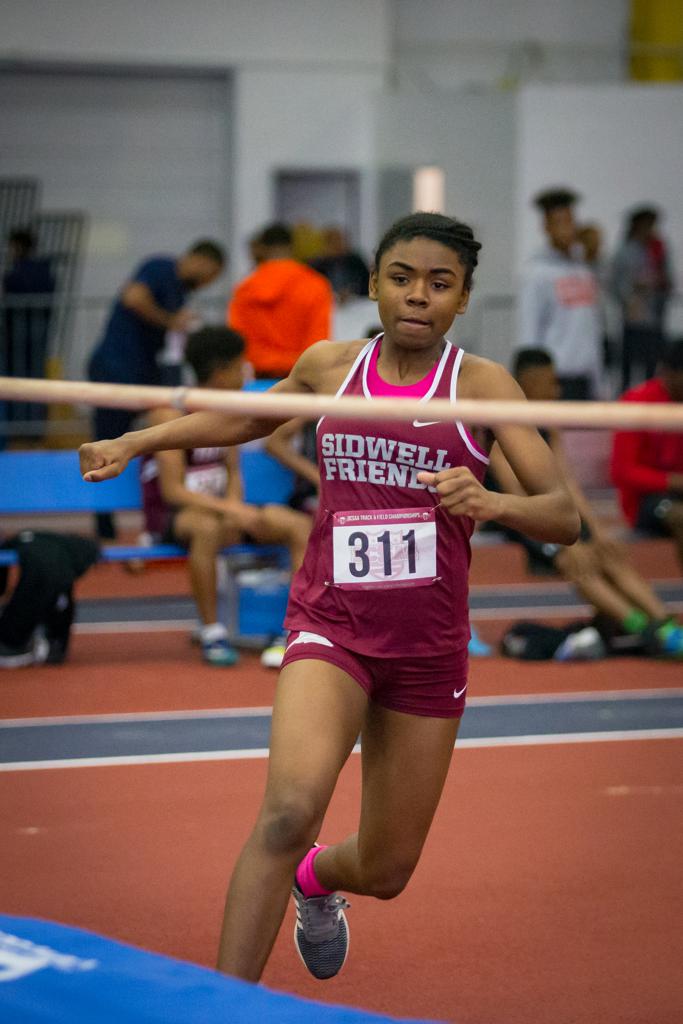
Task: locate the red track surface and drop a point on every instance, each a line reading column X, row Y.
column 547, row 888
column 545, row 894
column 113, row 674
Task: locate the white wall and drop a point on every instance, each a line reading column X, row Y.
column 185, row 32
column 473, row 139
column 289, row 118
column 470, row 43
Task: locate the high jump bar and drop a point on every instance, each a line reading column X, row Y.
column 283, row 406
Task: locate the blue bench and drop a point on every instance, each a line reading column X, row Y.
column 37, row 482
column 50, row 482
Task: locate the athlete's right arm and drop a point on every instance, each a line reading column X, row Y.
column 102, row 460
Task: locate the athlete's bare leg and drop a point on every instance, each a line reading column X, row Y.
column 581, row 568
column 278, row 524
column 405, row 764
column 318, row 714
column 205, row 533
column 674, row 521
column 636, row 589
column 611, row 585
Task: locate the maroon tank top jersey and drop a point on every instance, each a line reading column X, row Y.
column 386, row 568
column 205, row 472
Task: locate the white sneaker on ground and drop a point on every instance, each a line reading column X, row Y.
column 216, row 649
column 273, row 654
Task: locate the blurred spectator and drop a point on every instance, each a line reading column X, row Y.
column 149, row 305
column 28, row 286
column 257, row 250
column 590, row 239
column 281, row 308
column 559, row 308
column 596, row 564
column 307, row 241
column 647, row 465
column 194, row 498
column 345, row 269
column 294, row 445
column 641, row 282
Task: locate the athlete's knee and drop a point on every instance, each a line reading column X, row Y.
column 289, row 824
column 206, row 531
column 386, row 881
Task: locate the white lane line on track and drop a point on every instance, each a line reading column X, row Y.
column 552, row 586
column 137, row 716
column 135, row 626
column 580, row 695
column 267, row 710
column 262, row 752
column 543, row 611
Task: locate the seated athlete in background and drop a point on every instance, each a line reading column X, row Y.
column 194, row 497
column 378, row 611
column 597, row 565
column 647, row 465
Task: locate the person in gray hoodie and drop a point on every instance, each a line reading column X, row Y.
column 559, row 307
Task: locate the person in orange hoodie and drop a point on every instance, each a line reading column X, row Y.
column 281, row 308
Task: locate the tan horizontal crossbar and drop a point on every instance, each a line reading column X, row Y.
column 280, row 406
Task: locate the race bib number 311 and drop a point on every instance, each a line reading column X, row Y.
column 392, row 548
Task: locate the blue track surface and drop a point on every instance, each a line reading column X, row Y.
column 206, row 731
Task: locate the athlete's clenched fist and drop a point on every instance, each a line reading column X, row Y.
column 461, row 494
column 102, row 460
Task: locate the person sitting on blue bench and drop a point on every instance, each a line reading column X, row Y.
column 195, row 499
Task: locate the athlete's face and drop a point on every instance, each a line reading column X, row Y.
column 420, row 289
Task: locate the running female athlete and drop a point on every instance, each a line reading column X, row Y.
column 378, row 612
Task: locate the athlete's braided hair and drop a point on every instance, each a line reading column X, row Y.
column 452, row 233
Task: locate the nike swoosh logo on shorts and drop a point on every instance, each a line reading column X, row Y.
column 311, row 638
column 459, row 693
column 425, row 423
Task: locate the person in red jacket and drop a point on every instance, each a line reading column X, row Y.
column 282, row 307
column 647, row 465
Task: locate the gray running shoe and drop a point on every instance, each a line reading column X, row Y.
column 321, row 934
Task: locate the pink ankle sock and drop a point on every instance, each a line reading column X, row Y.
column 305, row 875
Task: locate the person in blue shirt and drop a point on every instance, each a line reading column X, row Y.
column 151, row 303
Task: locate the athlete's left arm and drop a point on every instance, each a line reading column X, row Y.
column 546, row 512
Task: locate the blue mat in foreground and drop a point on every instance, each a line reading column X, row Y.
column 52, row 973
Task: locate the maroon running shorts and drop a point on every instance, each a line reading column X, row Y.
column 434, row 686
